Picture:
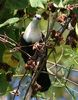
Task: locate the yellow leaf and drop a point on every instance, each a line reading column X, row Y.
column 76, row 28
column 9, row 59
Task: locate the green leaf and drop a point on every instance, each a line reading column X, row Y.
column 2, row 49
column 16, row 4
column 70, row 1
column 38, row 3
column 76, row 28
column 61, row 4
column 4, row 85
column 57, row 84
column 56, row 1
column 30, row 9
column 9, row 59
column 10, row 21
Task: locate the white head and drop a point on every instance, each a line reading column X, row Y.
column 33, row 31
column 37, row 17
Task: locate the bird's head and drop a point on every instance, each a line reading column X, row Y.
column 37, row 17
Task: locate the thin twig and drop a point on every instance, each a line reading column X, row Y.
column 39, row 67
column 8, row 38
column 56, row 62
column 19, row 84
column 63, row 27
column 48, row 33
column 66, row 79
column 68, row 73
column 70, row 92
column 59, row 65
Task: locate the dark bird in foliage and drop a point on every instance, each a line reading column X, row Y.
column 32, row 35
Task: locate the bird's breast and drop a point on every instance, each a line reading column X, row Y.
column 33, row 36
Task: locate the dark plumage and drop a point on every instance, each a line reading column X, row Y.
column 30, row 37
column 43, row 78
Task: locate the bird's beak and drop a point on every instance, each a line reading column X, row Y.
column 39, row 18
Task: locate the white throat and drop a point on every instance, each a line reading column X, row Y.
column 32, row 32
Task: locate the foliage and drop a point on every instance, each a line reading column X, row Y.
column 61, row 34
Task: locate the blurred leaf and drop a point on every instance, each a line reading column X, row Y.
column 76, row 28
column 10, row 21
column 16, row 4
column 71, row 93
column 5, row 14
column 9, row 59
column 2, row 48
column 57, row 84
column 59, row 91
column 70, row 1
column 70, row 57
column 30, row 9
column 75, row 11
column 2, row 2
column 12, row 32
column 43, row 25
column 4, row 85
column 38, row 3
column 56, row 1
column 61, row 4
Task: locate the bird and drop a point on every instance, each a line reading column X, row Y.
column 32, row 35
